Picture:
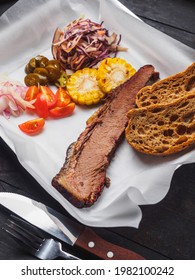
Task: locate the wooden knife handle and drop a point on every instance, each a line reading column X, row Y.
column 91, row 242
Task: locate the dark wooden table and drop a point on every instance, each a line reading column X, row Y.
column 167, row 228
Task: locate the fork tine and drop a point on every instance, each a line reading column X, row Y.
column 24, row 233
column 40, row 247
column 26, row 225
column 20, row 239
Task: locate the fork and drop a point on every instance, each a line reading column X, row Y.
column 34, row 242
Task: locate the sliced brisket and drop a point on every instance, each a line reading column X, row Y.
column 83, row 175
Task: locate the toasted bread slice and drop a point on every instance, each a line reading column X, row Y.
column 163, row 129
column 168, row 89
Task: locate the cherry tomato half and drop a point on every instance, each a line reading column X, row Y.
column 60, row 112
column 31, row 93
column 63, row 99
column 41, row 106
column 49, row 96
column 33, row 126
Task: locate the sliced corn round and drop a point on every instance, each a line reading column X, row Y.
column 112, row 72
column 83, row 87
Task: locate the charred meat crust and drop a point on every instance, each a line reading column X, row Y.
column 82, row 178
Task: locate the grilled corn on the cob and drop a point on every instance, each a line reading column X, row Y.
column 112, row 72
column 83, row 87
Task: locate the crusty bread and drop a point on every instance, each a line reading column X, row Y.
column 168, row 89
column 163, row 129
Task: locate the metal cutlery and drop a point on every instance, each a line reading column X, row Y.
column 65, row 229
column 33, row 241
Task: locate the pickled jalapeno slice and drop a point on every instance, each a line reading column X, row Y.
column 53, row 73
column 35, row 79
column 41, row 71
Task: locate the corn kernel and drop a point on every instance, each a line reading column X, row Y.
column 83, row 87
column 112, row 72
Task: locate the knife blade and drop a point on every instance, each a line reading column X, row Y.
column 63, row 228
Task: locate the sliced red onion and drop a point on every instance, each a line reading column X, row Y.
column 12, row 99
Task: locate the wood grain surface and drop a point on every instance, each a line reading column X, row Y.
column 167, row 228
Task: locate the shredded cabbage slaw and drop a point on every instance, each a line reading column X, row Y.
column 84, row 43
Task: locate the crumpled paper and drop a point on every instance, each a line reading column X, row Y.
column 27, row 29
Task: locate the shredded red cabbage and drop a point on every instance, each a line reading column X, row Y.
column 84, row 43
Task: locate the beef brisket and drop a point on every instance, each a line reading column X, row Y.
column 83, row 175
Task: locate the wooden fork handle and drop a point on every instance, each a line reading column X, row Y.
column 91, row 242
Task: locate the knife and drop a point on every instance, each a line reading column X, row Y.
column 63, row 228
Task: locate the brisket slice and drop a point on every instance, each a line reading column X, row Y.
column 83, row 175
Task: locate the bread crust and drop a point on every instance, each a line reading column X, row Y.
column 168, row 89
column 163, row 129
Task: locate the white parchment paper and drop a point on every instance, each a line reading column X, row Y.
column 27, row 30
